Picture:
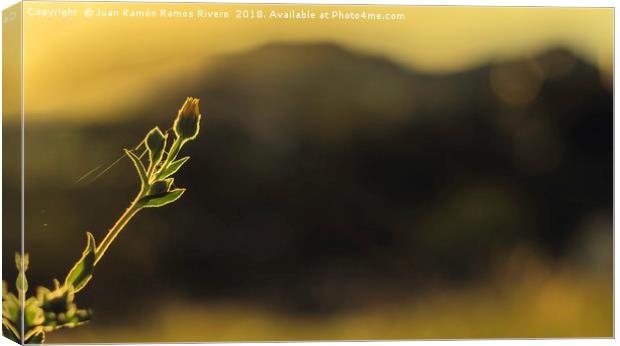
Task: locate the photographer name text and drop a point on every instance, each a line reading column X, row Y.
column 198, row 14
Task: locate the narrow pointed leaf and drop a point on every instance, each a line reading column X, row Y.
column 173, row 167
column 161, row 199
column 35, row 336
column 82, row 270
column 10, row 331
column 139, row 167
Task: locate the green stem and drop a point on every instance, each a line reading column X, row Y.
column 133, row 209
column 172, row 155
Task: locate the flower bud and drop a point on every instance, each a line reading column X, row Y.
column 187, row 123
column 155, row 139
column 155, row 143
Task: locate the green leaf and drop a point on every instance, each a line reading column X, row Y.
column 10, row 307
column 160, row 200
column 173, row 167
column 82, row 270
column 58, row 301
column 35, row 336
column 139, row 167
column 155, row 142
column 10, row 331
column 60, row 310
column 33, row 314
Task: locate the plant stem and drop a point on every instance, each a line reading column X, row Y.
column 172, row 154
column 134, row 207
column 117, row 228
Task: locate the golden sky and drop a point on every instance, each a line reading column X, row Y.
column 80, row 66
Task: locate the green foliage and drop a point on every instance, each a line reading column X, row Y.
column 162, row 199
column 53, row 309
column 173, row 167
column 83, row 269
column 139, row 167
column 60, row 309
column 45, row 312
column 157, row 185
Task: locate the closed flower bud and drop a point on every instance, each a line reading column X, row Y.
column 155, row 140
column 187, row 123
column 155, row 143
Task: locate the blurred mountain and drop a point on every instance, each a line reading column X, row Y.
column 325, row 178
column 283, row 90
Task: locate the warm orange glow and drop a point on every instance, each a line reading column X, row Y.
column 80, row 67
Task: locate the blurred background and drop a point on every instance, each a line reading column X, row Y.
column 446, row 176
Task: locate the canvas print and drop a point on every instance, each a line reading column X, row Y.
column 203, row 172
